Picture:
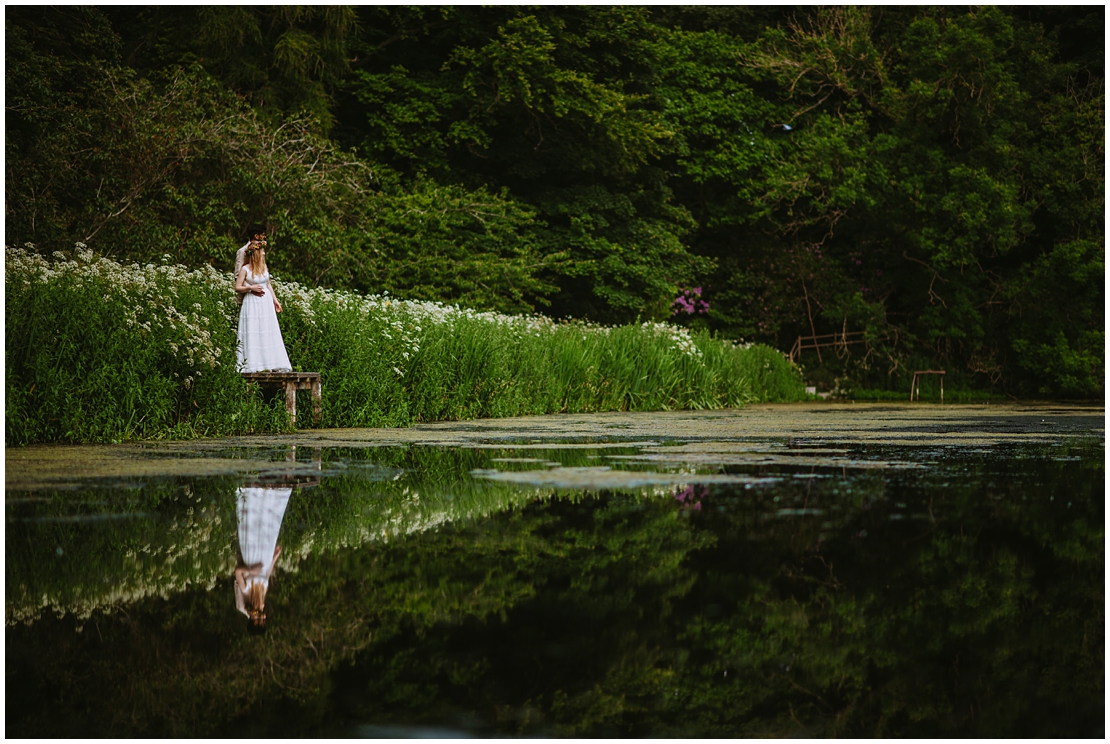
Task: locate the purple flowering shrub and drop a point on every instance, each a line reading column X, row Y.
column 690, row 301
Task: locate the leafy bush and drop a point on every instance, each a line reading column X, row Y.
column 100, row 351
column 178, row 165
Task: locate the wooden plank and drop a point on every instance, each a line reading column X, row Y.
column 915, row 384
column 290, row 383
column 316, row 396
column 291, row 402
column 281, row 376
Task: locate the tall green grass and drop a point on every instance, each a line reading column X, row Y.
column 101, row 351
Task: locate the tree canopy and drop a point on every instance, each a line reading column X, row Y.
column 930, row 177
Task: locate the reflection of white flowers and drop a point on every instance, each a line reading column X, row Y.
column 192, row 552
column 195, row 548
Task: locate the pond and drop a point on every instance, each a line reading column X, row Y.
column 779, row 570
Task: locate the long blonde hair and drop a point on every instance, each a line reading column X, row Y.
column 256, row 595
column 256, row 259
column 256, row 618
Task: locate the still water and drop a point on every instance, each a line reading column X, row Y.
column 807, row 570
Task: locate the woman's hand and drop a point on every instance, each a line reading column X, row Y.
column 242, row 287
column 277, row 305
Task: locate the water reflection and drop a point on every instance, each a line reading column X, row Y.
column 821, row 596
column 259, row 510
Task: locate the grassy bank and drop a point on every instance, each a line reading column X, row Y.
column 929, row 393
column 102, row 351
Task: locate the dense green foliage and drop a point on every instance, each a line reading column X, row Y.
column 100, row 351
column 958, row 600
column 931, row 177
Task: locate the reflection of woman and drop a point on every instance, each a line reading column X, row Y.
column 261, row 348
column 259, row 511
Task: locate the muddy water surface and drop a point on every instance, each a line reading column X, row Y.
column 813, row 570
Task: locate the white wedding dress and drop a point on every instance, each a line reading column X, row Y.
column 259, row 512
column 261, row 348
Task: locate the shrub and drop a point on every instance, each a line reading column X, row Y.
column 101, row 351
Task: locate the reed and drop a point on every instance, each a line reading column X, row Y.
column 102, row 351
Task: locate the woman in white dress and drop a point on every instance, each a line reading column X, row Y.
column 261, row 348
column 259, row 511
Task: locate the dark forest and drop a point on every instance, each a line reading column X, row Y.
column 927, row 180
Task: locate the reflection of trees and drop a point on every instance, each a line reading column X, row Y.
column 167, row 538
column 590, row 638
column 171, row 536
column 978, row 613
column 986, row 622
column 183, row 666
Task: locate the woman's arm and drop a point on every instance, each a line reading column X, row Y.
column 240, row 600
column 242, row 573
column 241, row 282
column 277, row 305
column 242, row 287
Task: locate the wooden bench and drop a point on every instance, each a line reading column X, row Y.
column 915, row 386
column 290, row 383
